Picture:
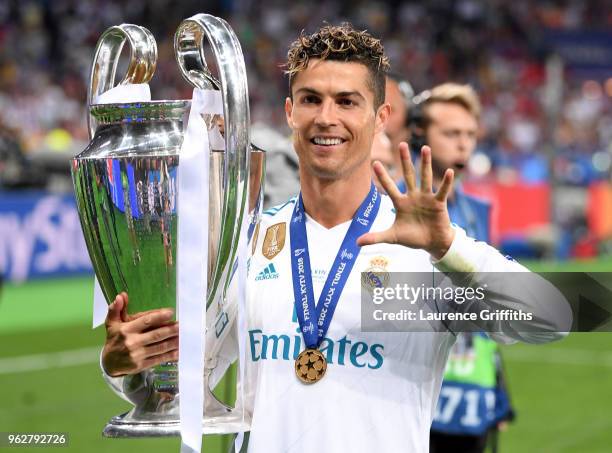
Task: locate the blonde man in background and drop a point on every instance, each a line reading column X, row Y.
column 473, row 399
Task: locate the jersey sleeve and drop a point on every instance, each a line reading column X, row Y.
column 485, row 267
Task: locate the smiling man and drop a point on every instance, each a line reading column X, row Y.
column 314, row 380
column 334, row 109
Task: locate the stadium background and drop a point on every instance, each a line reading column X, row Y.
column 543, row 70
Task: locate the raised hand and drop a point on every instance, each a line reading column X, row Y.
column 139, row 341
column 421, row 220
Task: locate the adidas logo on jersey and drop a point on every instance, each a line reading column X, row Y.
column 269, row 273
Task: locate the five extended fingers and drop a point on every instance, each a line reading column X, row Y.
column 425, row 187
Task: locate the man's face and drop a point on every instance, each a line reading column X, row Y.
column 451, row 134
column 333, row 118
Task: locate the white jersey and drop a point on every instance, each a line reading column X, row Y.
column 380, row 389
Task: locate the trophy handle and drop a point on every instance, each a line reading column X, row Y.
column 143, row 60
column 189, row 52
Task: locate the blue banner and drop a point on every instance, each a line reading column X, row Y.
column 586, row 53
column 40, row 236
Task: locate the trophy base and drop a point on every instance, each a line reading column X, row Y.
column 120, row 426
column 158, row 415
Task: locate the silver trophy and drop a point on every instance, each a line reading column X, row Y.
column 126, row 189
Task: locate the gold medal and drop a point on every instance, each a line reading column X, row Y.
column 310, row 366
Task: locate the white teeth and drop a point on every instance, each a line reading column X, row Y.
column 327, row 141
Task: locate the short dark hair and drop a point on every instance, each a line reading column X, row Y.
column 341, row 43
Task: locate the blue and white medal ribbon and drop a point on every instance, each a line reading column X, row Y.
column 314, row 320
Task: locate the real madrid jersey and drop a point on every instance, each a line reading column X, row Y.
column 380, row 389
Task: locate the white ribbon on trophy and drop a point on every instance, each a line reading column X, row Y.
column 192, row 262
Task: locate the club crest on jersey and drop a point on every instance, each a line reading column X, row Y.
column 274, row 241
column 255, row 237
column 376, row 275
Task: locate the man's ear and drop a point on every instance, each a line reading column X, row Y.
column 382, row 115
column 289, row 112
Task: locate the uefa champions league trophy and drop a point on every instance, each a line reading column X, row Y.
column 126, row 189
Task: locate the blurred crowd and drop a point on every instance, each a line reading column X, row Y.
column 498, row 46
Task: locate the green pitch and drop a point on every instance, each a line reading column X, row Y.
column 51, row 382
column 49, row 373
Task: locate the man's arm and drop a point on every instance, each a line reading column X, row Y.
column 509, row 286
